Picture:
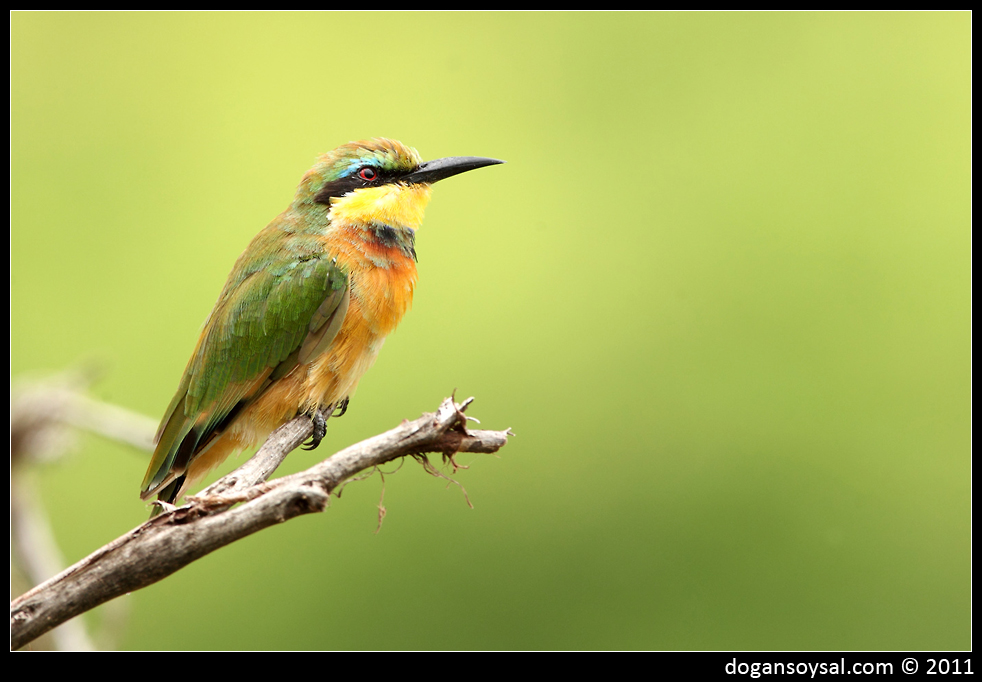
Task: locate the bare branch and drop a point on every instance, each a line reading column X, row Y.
column 38, row 557
column 261, row 466
column 42, row 414
column 40, row 411
column 172, row 540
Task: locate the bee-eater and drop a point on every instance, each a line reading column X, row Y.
column 304, row 311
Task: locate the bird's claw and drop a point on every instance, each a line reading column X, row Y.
column 340, row 408
column 320, row 430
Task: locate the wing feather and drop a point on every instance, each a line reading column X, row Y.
column 271, row 317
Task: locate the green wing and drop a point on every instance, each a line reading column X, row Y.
column 266, row 321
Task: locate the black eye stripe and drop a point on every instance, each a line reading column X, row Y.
column 341, row 186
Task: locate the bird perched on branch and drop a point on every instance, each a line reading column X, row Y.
column 304, row 311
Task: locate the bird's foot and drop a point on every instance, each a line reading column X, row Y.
column 340, row 408
column 320, row 430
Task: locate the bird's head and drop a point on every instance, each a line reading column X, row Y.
column 379, row 182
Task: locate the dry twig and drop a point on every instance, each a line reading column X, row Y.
column 172, row 540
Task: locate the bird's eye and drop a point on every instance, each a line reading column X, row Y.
column 368, row 174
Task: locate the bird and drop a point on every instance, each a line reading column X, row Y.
column 304, row 312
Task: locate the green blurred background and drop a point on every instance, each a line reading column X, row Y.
column 721, row 292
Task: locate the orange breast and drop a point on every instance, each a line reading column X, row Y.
column 382, row 279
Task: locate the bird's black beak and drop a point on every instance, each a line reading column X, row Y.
column 431, row 171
